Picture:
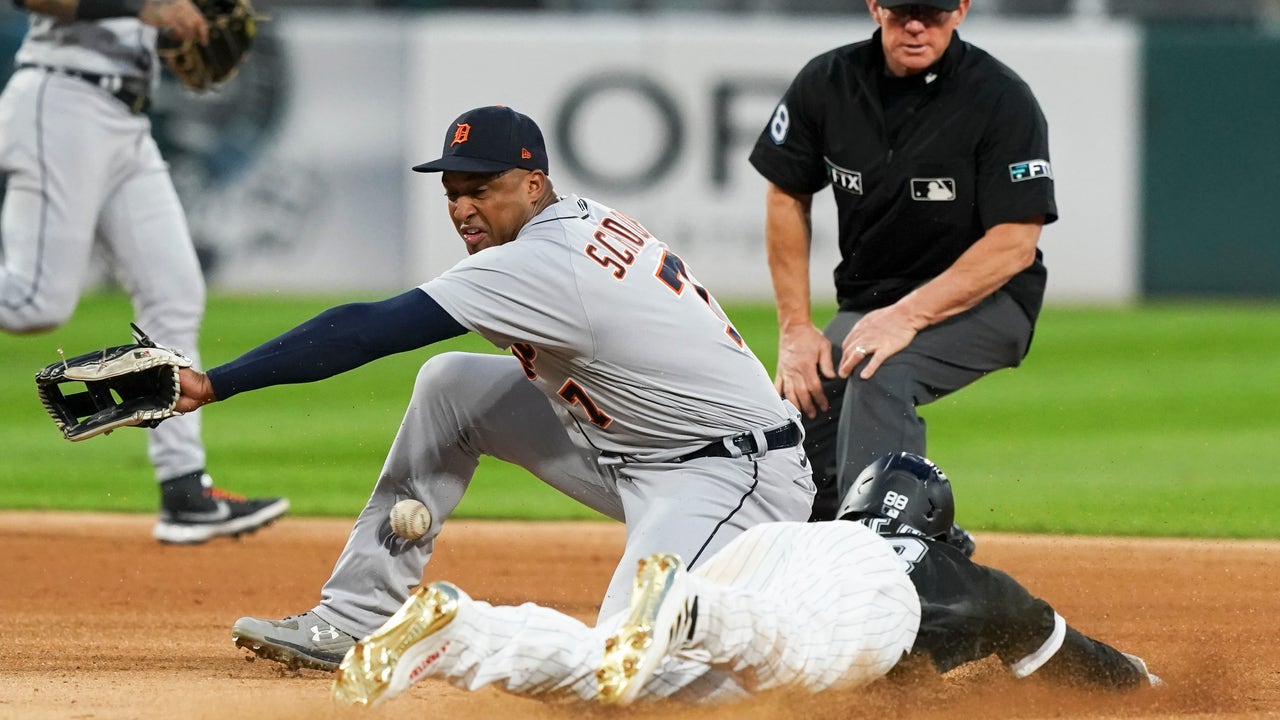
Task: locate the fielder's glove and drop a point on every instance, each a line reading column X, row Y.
column 124, row 385
column 232, row 27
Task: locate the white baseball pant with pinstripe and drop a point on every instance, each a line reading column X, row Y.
column 785, row 605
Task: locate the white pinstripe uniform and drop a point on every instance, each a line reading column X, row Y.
column 83, row 166
column 785, row 605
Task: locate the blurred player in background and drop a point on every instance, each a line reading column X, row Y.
column 785, row 605
column 938, row 158
column 82, row 165
column 627, row 388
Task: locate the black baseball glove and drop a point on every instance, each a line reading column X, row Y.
column 232, row 27
column 118, row 386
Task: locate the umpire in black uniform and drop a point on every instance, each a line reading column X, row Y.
column 938, row 156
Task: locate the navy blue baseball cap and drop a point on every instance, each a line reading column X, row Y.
column 939, row 4
column 490, row 140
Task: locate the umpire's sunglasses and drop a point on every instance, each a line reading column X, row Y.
column 924, row 13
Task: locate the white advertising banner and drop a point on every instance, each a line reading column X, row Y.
column 293, row 174
column 656, row 116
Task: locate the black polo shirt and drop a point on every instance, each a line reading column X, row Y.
column 965, row 148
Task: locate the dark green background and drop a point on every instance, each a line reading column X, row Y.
column 1211, row 171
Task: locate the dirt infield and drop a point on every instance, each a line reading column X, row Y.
column 101, row 622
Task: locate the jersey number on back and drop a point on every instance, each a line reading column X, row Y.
column 673, row 273
column 616, row 245
column 910, row 551
column 571, row 392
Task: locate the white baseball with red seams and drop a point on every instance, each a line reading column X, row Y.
column 410, row 519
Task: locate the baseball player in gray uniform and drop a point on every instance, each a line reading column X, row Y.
column 794, row 605
column 627, row 388
column 81, row 165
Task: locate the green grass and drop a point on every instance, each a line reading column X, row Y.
column 1160, row 420
column 1157, row 421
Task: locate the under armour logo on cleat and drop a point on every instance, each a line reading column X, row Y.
column 326, row 633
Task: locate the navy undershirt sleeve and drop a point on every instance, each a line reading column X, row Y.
column 337, row 340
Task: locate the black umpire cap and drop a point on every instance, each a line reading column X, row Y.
column 940, row 4
column 490, row 139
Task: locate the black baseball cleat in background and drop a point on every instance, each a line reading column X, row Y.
column 193, row 511
column 960, row 538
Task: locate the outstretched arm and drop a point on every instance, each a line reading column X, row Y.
column 968, row 611
column 1084, row 662
column 333, row 342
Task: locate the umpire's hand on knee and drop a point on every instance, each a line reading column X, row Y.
column 878, row 336
column 803, row 352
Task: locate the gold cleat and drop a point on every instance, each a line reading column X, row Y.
column 658, row 615
column 391, row 659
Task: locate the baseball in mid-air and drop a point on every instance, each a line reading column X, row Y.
column 410, row 519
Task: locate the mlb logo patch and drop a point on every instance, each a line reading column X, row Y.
column 933, row 189
column 1030, row 170
column 844, row 179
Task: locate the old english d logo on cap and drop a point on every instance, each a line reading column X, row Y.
column 461, row 134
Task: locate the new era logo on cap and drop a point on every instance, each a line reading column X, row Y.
column 490, row 139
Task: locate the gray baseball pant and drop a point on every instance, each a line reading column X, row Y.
column 869, row 418
column 83, row 168
column 466, row 405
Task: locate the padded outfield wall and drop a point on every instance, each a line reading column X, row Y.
column 657, row 116
column 296, row 176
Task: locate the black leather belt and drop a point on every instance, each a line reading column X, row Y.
column 135, row 99
column 748, row 444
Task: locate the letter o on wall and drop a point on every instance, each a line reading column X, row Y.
column 648, row 91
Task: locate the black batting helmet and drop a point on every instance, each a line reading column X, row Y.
column 906, row 488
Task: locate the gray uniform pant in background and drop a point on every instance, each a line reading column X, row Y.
column 870, row 418
column 83, row 168
column 467, row 405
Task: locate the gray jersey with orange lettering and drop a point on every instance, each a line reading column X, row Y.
column 610, row 330
column 613, row 326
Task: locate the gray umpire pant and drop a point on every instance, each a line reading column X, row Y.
column 870, row 418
